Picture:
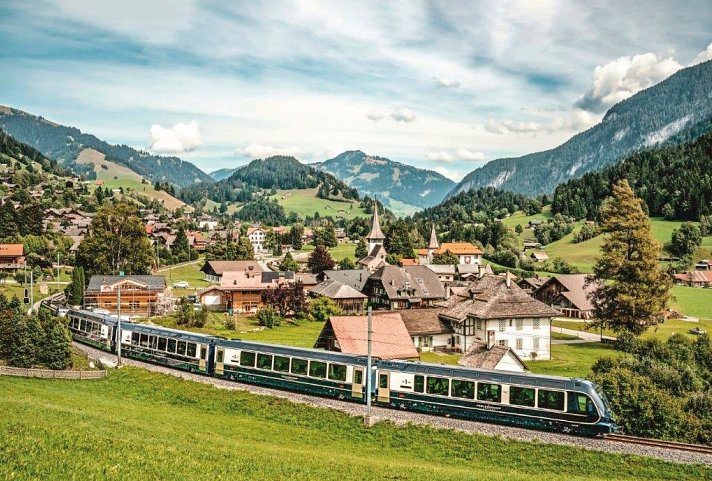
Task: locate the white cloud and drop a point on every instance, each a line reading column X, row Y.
column 259, row 151
column 402, row 114
column 703, row 56
column 624, row 77
column 458, row 155
column 464, row 154
column 450, row 174
column 440, row 156
column 447, row 82
column 179, row 138
column 576, row 120
column 376, row 115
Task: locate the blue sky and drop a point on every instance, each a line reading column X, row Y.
column 440, row 85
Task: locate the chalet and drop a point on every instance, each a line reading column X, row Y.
column 445, row 273
column 493, row 356
column 531, row 284
column 213, row 270
column 539, row 256
column 704, row 265
column 529, row 245
column 241, row 292
column 349, row 334
column 349, row 300
column 376, row 256
column 141, row 296
column 257, row 236
column 569, row 293
column 355, row 278
column 495, row 309
column 393, row 287
column 465, row 252
column 12, row 257
column 427, row 330
column 533, row 224
column 197, row 241
column 696, row 278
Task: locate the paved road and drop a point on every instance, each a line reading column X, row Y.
column 583, row 336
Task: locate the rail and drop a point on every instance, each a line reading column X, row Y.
column 659, row 443
column 50, row 373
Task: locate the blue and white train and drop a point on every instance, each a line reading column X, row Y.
column 550, row 403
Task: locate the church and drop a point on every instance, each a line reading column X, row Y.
column 376, row 257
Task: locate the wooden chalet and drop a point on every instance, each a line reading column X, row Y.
column 393, row 287
column 140, row 295
column 12, row 257
column 346, row 297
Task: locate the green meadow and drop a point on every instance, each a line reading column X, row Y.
column 304, row 202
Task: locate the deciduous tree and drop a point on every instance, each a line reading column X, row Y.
column 320, row 260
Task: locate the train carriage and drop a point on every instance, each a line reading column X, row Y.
column 532, row 401
column 311, row 371
column 91, row 328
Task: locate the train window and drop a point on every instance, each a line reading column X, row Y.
column 203, row 352
column 281, row 364
column 191, row 349
column 383, row 381
column 162, row 343
column 82, row 325
column 551, row 400
column 358, row 376
column 144, row 340
column 581, row 404
column 153, row 342
column 171, row 346
column 299, row 366
column 220, row 355
column 317, row 369
column 247, row 359
column 181, row 348
column 463, row 389
column 337, row 372
column 489, row 392
column 419, row 383
column 522, row 396
column 438, row 385
column 264, row 361
column 134, row 338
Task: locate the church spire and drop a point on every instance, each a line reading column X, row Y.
column 376, row 233
column 433, row 244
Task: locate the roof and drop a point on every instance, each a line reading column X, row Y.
column 376, row 232
column 695, row 276
column 355, row 278
column 576, row 288
column 220, row 267
column 495, row 297
column 474, row 268
column 442, row 269
column 540, row 255
column 13, row 250
column 459, row 248
column 534, row 282
column 390, row 338
column 244, row 280
column 151, row 282
column 478, row 356
column 433, row 244
column 409, row 262
column 424, row 322
column 337, row 290
column 410, row 282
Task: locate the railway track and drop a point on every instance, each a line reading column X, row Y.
column 658, row 443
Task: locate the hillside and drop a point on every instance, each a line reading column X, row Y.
column 670, row 110
column 221, row 174
column 403, row 188
column 66, row 143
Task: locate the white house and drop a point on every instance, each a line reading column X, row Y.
column 257, row 239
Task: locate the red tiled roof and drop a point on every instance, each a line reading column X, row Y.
column 14, row 250
column 390, row 339
column 459, row 248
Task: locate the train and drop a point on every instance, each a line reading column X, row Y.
column 549, row 403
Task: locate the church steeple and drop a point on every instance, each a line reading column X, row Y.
column 433, row 244
column 376, row 234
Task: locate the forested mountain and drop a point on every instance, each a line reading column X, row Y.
column 277, row 172
column 221, row 174
column 65, row 143
column 388, row 180
column 13, row 150
column 675, row 182
column 650, row 118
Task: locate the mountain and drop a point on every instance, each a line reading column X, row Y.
column 650, row 118
column 66, row 143
column 403, row 188
column 221, row 174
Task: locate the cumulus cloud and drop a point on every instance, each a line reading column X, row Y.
column 464, row 154
column 577, row 120
column 402, row 114
column 458, row 155
column 703, row 56
column 376, row 115
column 450, row 174
column 259, row 151
column 448, row 83
column 179, row 138
column 624, row 77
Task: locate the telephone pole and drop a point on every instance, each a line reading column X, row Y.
column 368, row 420
column 118, row 327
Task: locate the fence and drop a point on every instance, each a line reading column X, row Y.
column 50, row 374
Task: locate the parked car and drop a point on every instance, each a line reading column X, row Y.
column 192, row 298
column 181, row 285
column 697, row 331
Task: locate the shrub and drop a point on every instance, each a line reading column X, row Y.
column 268, row 317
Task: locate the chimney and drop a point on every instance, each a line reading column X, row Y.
column 508, row 279
column 480, row 271
column 490, row 340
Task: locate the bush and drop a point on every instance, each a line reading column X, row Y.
column 268, row 317
column 322, row 308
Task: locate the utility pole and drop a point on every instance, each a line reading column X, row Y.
column 32, row 287
column 57, row 271
column 368, row 421
column 118, row 327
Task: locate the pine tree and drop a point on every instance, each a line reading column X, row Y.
column 181, row 247
column 295, row 234
column 75, row 290
column 26, row 337
column 636, row 290
column 8, row 226
column 56, row 351
column 244, row 250
column 288, row 263
column 361, row 249
column 320, row 260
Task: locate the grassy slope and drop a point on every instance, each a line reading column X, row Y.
column 140, row 425
column 337, row 253
column 305, row 202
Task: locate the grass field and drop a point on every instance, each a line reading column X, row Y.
column 304, row 202
column 337, row 253
column 572, row 360
column 137, row 425
column 692, row 301
column 661, row 331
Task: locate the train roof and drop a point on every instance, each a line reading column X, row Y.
column 294, row 351
column 167, row 332
column 93, row 316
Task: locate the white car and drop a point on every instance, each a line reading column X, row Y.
column 181, row 285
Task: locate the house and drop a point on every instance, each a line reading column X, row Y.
column 493, row 356
column 393, row 287
column 376, row 257
column 241, row 291
column 529, row 245
column 704, row 265
column 539, row 256
column 197, row 241
column 569, row 293
column 445, row 273
column 473, row 271
column 465, row 252
column 141, row 296
column 257, row 237
column 349, row 334
column 496, row 306
column 427, row 330
column 696, row 278
column 208, row 223
column 12, row 257
column 531, row 284
column 355, row 278
column 346, row 297
column 533, row 224
column 214, row 270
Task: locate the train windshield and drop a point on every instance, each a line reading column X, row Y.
column 602, row 396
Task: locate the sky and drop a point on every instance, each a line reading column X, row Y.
column 441, row 85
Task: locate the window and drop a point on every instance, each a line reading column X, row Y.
column 191, row 349
column 171, row 345
column 503, row 342
column 489, row 392
column 463, row 389
column 522, row 396
column 82, row 325
column 479, row 324
column 220, row 355
column 581, row 404
column 502, row 325
column 519, row 343
column 418, row 383
column 299, row 366
column 203, row 352
column 535, row 343
column 281, row 364
column 317, row 369
column 264, row 361
column 551, row 400
column 337, row 372
column 144, row 340
column 134, row 338
column 181, row 348
column 438, row 385
column 162, row 343
column 519, row 324
column 510, row 323
column 247, row 359
column 536, row 323
column 134, row 305
column 383, row 381
column 358, row 376
column 153, row 342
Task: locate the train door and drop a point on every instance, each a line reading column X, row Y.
column 384, row 390
column 202, row 363
column 357, row 384
column 220, row 360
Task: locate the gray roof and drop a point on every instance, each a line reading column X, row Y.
column 410, row 282
column 151, row 282
column 337, row 290
column 441, row 269
column 478, row 356
column 424, row 322
column 576, row 288
column 376, row 232
column 355, row 278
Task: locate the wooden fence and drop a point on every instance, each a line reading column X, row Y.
column 50, row 374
